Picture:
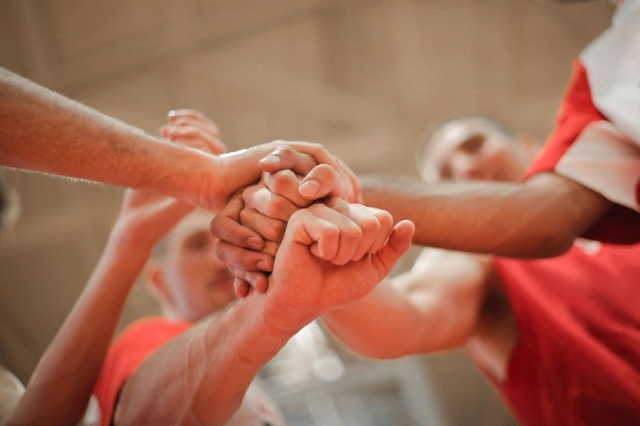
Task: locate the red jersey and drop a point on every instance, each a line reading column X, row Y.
column 597, row 139
column 132, row 347
column 143, row 338
column 577, row 361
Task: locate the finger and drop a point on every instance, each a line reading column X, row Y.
column 334, row 233
column 398, row 244
column 354, row 189
column 268, row 228
column 192, row 142
column 239, row 258
column 323, row 180
column 316, row 151
column 369, row 221
column 270, row 248
column 241, row 287
column 259, row 282
column 195, row 137
column 189, row 121
column 284, row 157
column 192, row 113
column 260, row 198
column 226, row 226
column 285, row 183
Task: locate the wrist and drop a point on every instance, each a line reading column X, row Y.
column 281, row 319
column 126, row 241
column 205, row 187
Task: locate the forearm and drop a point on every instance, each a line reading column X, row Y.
column 61, row 386
column 383, row 325
column 201, row 376
column 537, row 219
column 43, row 131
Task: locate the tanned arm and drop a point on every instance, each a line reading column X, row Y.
column 539, row 218
column 46, row 132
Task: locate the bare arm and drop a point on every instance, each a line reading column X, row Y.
column 59, row 389
column 43, row 131
column 201, row 376
column 428, row 309
column 539, row 218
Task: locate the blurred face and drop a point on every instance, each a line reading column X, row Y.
column 473, row 150
column 561, row 1
column 196, row 283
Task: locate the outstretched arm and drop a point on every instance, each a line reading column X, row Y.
column 201, row 376
column 435, row 306
column 59, row 389
column 539, row 218
column 43, row 131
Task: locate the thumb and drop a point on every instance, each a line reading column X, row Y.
column 398, row 244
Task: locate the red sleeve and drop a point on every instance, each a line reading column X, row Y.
column 576, row 112
column 125, row 355
column 621, row 225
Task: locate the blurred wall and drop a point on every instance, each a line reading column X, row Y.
column 364, row 77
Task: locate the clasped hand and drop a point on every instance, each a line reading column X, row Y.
column 319, row 253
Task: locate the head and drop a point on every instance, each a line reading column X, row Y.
column 186, row 276
column 475, row 148
column 9, row 207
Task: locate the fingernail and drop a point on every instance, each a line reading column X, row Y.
column 263, row 265
column 309, row 188
column 254, row 243
column 171, row 113
column 272, row 159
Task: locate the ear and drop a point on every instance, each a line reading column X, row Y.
column 157, row 283
column 528, row 146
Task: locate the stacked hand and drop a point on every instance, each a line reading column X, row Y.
column 262, row 211
column 323, row 254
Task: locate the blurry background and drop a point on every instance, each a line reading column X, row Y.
column 365, row 77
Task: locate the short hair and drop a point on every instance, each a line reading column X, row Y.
column 472, row 119
column 429, row 174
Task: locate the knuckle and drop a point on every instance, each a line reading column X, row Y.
column 353, row 232
column 370, row 224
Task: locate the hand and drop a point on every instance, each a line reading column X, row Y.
column 239, row 169
column 263, row 212
column 276, row 197
column 193, row 128
column 331, row 257
column 344, row 184
column 145, row 218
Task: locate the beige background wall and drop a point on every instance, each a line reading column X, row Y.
column 364, row 77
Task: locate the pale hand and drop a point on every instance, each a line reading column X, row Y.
column 315, row 269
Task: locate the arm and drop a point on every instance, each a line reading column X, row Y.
column 61, row 385
column 201, row 376
column 539, row 218
column 59, row 389
column 433, row 307
column 43, row 131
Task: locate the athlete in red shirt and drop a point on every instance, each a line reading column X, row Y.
column 586, row 181
column 558, row 338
